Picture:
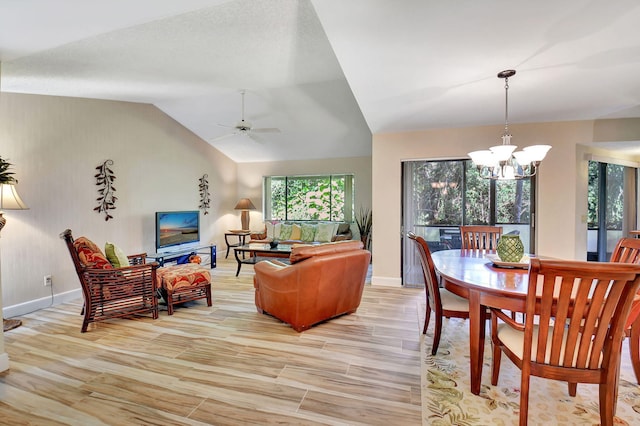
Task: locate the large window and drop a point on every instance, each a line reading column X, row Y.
column 440, row 196
column 324, row 197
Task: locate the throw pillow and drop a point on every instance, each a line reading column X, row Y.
column 307, row 232
column 90, row 254
column 116, row 257
column 269, row 227
column 295, row 232
column 285, row 232
column 343, row 228
column 325, row 232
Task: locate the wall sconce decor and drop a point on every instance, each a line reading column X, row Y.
column 205, row 197
column 104, row 181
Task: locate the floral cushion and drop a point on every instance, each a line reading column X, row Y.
column 307, row 232
column 182, row 276
column 90, row 254
column 285, row 232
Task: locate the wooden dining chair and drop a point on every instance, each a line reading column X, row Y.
column 439, row 300
column 627, row 250
column 592, row 301
column 480, row 237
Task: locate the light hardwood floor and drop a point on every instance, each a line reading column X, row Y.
column 223, row 365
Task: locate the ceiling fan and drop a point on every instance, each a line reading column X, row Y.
column 244, row 127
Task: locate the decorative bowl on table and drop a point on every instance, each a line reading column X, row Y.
column 273, row 244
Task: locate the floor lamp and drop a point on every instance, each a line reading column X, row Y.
column 9, row 200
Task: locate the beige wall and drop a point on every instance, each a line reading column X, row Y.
column 55, row 145
column 562, row 184
column 250, row 178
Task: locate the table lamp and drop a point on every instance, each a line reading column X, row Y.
column 245, row 205
column 9, row 200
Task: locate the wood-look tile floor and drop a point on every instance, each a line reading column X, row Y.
column 221, row 365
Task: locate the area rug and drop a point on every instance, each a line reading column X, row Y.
column 447, row 399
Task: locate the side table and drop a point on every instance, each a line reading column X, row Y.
column 242, row 239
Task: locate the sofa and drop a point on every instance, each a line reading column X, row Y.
column 293, row 232
column 321, row 282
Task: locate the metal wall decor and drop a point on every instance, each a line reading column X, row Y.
column 205, row 197
column 104, row 181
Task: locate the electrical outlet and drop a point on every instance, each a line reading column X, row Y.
column 47, row 280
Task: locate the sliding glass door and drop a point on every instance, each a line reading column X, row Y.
column 611, row 207
column 439, row 196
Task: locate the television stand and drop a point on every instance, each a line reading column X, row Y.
column 171, row 256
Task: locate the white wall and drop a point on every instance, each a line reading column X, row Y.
column 250, row 179
column 56, row 143
column 562, row 183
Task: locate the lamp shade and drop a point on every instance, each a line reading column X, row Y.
column 9, row 198
column 245, row 204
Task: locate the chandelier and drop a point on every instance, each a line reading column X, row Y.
column 503, row 161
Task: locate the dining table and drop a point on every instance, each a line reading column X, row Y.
column 485, row 282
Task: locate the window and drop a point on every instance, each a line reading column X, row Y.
column 452, row 193
column 322, row 197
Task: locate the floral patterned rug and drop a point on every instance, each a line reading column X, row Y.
column 447, row 400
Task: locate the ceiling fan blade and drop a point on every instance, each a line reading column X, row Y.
column 255, row 138
column 226, row 126
column 228, row 135
column 266, row 130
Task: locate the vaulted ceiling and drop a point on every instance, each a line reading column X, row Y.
column 328, row 73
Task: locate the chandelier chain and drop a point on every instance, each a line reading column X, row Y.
column 506, row 105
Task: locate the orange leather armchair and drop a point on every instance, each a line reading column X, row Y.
column 322, row 282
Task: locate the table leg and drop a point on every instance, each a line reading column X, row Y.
column 226, row 240
column 477, row 326
column 235, row 253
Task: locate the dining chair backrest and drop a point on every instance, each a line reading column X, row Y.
column 480, row 237
column 428, row 271
column 627, row 250
column 592, row 299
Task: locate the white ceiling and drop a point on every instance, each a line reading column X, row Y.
column 328, row 73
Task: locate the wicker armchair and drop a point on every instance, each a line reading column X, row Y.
column 112, row 292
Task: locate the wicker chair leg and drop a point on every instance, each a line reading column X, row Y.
column 208, row 290
column 169, row 302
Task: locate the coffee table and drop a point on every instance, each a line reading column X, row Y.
column 258, row 252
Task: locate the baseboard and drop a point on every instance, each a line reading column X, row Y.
column 4, row 362
column 45, row 302
column 386, row 282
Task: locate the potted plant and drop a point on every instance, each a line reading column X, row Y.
column 5, row 175
column 364, row 221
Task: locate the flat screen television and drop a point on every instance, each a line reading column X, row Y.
column 177, row 228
